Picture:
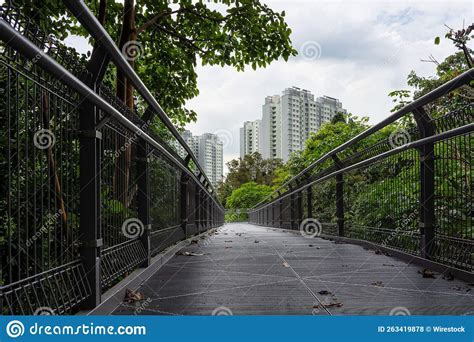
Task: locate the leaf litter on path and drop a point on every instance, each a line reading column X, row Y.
column 133, row 296
column 189, row 253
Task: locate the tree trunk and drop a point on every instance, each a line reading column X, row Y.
column 124, row 91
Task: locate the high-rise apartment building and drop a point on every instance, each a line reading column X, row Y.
column 211, row 157
column 208, row 149
column 249, row 137
column 192, row 141
column 289, row 119
column 270, row 128
column 327, row 108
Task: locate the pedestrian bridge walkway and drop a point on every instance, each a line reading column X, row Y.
column 242, row 269
column 105, row 207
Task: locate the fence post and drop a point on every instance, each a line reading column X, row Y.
column 282, row 213
column 339, row 198
column 299, row 209
column 143, row 183
column 427, row 184
column 309, row 200
column 197, row 207
column 184, row 202
column 90, row 231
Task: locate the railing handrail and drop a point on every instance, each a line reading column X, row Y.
column 14, row 39
column 436, row 93
column 82, row 12
column 435, row 138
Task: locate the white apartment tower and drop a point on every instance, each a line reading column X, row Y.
column 192, row 141
column 289, row 119
column 299, row 119
column 208, row 150
column 327, row 108
column 249, row 137
column 211, row 157
column 270, row 129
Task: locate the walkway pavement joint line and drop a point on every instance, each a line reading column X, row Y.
column 302, row 282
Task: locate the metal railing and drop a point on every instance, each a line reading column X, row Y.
column 411, row 191
column 89, row 191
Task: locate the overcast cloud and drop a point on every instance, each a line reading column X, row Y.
column 367, row 49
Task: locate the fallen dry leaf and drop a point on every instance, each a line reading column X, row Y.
column 426, row 273
column 133, row 296
column 378, row 283
column 448, row 276
column 329, row 305
column 189, row 253
column 324, row 292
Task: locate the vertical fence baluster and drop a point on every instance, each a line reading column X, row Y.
column 339, row 197
column 90, row 225
column 427, row 183
column 143, row 183
column 309, row 200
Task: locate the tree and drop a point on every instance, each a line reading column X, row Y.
column 338, row 117
column 252, row 168
column 446, row 70
column 164, row 42
column 248, row 195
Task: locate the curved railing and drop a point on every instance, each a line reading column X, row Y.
column 410, row 192
column 89, row 191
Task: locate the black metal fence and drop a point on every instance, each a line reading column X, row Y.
column 89, row 192
column 410, row 191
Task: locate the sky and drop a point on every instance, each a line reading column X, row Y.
column 356, row 51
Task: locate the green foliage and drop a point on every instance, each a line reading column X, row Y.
column 330, row 136
column 248, row 195
column 448, row 69
column 236, row 216
column 327, row 138
column 253, row 168
column 338, row 117
column 175, row 37
column 401, row 98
